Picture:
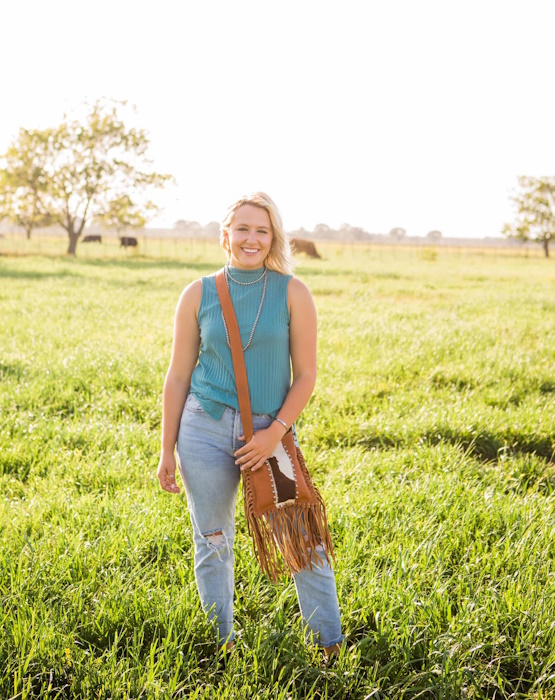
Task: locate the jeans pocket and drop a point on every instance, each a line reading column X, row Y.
column 261, row 421
column 193, row 405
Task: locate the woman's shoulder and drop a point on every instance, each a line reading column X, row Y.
column 190, row 297
column 193, row 289
column 295, row 286
column 298, row 294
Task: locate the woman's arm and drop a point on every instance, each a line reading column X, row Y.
column 302, row 346
column 185, row 350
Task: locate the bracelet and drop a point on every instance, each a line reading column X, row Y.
column 283, row 423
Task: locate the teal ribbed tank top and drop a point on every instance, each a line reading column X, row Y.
column 267, row 358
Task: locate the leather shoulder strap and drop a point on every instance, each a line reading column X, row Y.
column 237, row 356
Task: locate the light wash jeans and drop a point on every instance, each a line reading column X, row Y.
column 205, row 449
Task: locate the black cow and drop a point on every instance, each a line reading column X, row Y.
column 92, row 238
column 128, row 242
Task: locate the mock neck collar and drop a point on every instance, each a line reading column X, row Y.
column 245, row 275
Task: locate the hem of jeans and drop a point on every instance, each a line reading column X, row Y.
column 332, row 643
column 230, row 638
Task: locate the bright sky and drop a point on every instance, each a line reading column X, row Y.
column 369, row 112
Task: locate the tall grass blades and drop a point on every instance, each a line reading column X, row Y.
column 430, row 433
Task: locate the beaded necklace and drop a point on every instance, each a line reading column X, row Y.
column 228, row 276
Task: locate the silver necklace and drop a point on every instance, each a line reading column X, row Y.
column 244, row 284
column 259, row 308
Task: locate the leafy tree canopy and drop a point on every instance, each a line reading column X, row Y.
column 95, row 168
column 535, row 211
column 434, row 235
column 23, row 180
column 397, row 233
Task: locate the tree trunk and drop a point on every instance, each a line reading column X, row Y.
column 546, row 247
column 28, row 231
column 73, row 238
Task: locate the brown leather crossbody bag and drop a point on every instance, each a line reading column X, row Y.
column 285, row 512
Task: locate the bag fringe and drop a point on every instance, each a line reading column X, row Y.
column 286, row 538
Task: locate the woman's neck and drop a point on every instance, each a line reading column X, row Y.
column 245, row 272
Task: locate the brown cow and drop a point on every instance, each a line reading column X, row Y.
column 301, row 245
column 92, row 238
column 128, row 242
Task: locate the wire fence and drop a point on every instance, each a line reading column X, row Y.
column 13, row 243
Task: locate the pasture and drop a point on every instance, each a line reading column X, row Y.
column 430, row 433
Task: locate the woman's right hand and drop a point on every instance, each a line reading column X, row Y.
column 166, row 473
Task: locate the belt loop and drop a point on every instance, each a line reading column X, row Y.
column 236, row 420
column 240, row 427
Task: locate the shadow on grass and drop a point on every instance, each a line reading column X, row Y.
column 340, row 271
column 484, row 445
column 37, row 274
column 12, row 369
column 145, row 263
column 128, row 264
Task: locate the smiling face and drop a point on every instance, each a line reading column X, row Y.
column 249, row 237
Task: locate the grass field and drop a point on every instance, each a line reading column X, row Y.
column 431, row 434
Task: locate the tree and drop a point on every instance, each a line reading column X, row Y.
column 397, row 233
column 434, row 236
column 535, row 206
column 320, row 229
column 212, row 229
column 124, row 213
column 23, row 181
column 96, row 168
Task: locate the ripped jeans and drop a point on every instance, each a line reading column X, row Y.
column 205, row 448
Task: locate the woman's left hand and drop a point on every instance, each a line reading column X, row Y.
column 260, row 448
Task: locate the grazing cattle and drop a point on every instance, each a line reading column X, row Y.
column 128, row 242
column 301, row 245
column 92, row 239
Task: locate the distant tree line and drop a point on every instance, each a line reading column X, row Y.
column 346, row 232
column 192, row 229
column 321, row 232
column 534, row 221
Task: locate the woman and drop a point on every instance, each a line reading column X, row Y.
column 277, row 321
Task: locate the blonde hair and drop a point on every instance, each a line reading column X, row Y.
column 279, row 258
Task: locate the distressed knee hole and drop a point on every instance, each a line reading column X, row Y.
column 217, row 542
column 216, row 539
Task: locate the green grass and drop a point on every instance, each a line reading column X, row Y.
column 430, row 433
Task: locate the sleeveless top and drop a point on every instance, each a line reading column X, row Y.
column 267, row 358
